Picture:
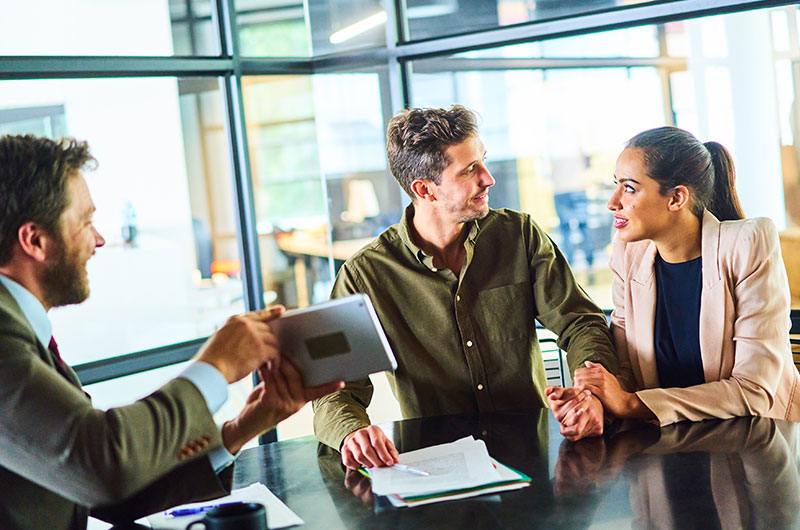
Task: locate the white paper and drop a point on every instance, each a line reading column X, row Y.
column 464, row 463
column 399, row 502
column 505, row 472
column 278, row 514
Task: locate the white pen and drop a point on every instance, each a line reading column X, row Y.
column 405, row 468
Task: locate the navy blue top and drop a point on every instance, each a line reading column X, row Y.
column 677, row 323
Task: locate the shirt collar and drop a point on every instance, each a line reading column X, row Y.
column 405, row 232
column 405, row 235
column 32, row 308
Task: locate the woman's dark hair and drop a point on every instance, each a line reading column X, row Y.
column 673, row 157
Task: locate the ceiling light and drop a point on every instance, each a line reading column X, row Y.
column 353, row 30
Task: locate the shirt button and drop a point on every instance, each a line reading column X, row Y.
column 469, row 344
column 434, row 269
column 458, row 298
column 480, row 386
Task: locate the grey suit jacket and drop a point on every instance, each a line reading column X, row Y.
column 60, row 457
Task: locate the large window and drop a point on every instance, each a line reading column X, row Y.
column 552, row 134
column 162, row 190
column 241, row 142
column 555, row 115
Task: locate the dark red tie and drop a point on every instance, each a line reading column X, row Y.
column 53, row 347
column 62, row 367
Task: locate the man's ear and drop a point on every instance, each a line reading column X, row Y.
column 422, row 190
column 679, row 197
column 34, row 241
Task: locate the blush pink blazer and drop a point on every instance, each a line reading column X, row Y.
column 744, row 326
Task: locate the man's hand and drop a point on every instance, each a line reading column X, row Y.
column 579, row 413
column 279, row 395
column 242, row 345
column 368, row 447
column 562, row 400
column 584, row 418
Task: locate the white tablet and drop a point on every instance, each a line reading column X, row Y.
column 340, row 339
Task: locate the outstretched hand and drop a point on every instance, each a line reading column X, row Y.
column 279, row 395
column 243, row 344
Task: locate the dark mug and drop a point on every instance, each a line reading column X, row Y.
column 234, row 516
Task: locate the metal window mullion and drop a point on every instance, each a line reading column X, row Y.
column 86, row 67
column 134, row 363
column 400, row 19
column 247, row 229
column 618, row 18
column 246, row 226
column 395, row 33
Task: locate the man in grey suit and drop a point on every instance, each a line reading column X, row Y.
column 60, row 458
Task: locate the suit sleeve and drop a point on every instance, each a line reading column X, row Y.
column 760, row 335
column 564, row 308
column 51, row 435
column 195, row 481
column 625, row 375
column 340, row 413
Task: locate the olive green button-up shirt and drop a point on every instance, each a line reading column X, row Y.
column 466, row 343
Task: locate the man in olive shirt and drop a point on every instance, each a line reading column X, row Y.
column 457, row 287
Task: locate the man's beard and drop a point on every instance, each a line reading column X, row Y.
column 473, row 215
column 65, row 281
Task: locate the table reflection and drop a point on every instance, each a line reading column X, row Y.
column 739, row 473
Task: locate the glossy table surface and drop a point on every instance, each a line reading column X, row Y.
column 740, row 473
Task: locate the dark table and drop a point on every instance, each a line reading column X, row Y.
column 739, row 473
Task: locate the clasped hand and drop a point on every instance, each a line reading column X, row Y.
column 579, row 409
column 597, row 380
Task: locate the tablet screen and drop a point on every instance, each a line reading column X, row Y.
column 327, row 345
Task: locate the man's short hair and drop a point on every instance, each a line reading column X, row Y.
column 34, row 173
column 418, row 138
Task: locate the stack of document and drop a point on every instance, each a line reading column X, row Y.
column 444, row 472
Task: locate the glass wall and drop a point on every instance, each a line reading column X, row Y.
column 555, row 115
column 321, row 184
column 322, row 187
column 87, row 27
column 168, row 272
column 437, row 18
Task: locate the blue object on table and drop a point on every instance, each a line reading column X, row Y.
column 180, row 512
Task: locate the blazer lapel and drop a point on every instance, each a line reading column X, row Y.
column 643, row 290
column 712, row 300
column 62, row 368
column 8, row 302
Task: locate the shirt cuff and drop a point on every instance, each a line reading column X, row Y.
column 210, row 382
column 220, row 458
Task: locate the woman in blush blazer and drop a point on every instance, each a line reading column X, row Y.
column 701, row 298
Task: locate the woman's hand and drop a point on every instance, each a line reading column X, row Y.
column 605, row 386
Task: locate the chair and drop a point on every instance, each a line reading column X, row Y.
column 553, row 363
